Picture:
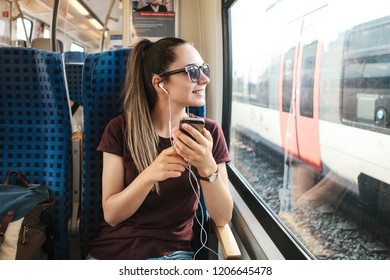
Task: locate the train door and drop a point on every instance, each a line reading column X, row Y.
column 299, row 93
column 287, row 86
column 307, row 92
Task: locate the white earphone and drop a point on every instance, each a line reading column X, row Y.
column 161, row 85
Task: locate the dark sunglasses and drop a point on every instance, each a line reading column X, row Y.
column 192, row 70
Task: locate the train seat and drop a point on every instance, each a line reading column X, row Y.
column 103, row 80
column 35, row 130
column 74, row 57
column 74, row 62
column 74, row 79
column 45, row 44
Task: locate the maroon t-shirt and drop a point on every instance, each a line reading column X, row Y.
column 163, row 223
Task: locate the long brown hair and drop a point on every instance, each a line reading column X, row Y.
column 139, row 97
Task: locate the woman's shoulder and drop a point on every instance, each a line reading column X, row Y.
column 212, row 125
column 112, row 138
column 116, row 122
column 115, row 127
column 210, row 121
column 209, row 124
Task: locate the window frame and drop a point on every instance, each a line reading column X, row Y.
column 289, row 246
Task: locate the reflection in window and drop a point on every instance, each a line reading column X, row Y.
column 260, row 92
column 330, row 212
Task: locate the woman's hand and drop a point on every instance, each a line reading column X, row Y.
column 219, row 202
column 168, row 164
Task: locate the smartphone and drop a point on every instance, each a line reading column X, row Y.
column 197, row 123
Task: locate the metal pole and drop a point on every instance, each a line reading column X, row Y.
column 108, row 17
column 53, row 26
column 28, row 40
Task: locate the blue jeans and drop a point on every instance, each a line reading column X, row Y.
column 179, row 255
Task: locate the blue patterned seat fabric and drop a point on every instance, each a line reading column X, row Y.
column 35, row 129
column 103, row 80
column 74, row 79
column 74, row 62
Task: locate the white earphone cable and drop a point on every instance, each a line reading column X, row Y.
column 203, row 235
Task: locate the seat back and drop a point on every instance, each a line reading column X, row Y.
column 74, row 79
column 35, row 129
column 74, row 57
column 74, row 63
column 198, row 111
column 103, row 80
column 44, row 44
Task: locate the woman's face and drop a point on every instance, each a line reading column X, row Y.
column 181, row 89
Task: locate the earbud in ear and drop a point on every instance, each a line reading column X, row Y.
column 161, row 85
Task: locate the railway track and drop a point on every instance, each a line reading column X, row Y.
column 341, row 230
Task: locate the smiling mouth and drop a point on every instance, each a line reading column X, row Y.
column 198, row 92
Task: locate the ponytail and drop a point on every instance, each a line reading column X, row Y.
column 139, row 97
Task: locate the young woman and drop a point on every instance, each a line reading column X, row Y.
column 149, row 192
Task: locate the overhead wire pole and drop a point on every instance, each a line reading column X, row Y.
column 126, row 10
column 108, row 17
column 28, row 40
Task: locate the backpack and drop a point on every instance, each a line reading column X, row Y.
column 26, row 227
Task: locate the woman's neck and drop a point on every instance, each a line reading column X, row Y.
column 164, row 120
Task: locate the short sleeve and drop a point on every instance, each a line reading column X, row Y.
column 113, row 137
column 220, row 150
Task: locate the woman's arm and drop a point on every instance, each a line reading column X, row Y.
column 217, row 195
column 120, row 202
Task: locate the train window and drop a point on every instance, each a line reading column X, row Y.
column 252, row 78
column 77, row 48
column 288, row 72
column 2, row 27
column 259, row 91
column 307, row 79
column 294, row 162
column 21, row 35
column 46, row 32
column 366, row 77
column 5, row 23
column 3, row 36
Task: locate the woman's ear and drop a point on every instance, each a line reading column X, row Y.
column 159, row 85
column 155, row 81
